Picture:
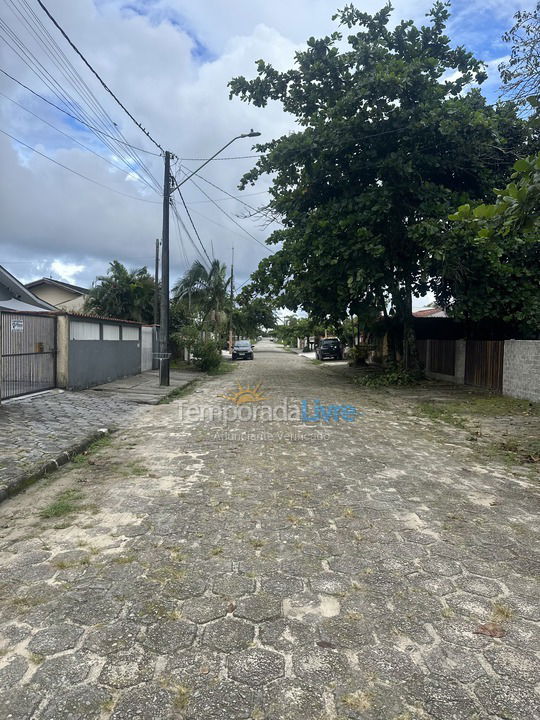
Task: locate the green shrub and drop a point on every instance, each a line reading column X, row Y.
column 358, row 354
column 207, row 355
column 392, row 375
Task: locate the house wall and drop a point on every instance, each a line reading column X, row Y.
column 53, row 295
column 93, row 360
column 521, row 369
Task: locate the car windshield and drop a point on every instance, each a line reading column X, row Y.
column 329, row 343
column 242, row 344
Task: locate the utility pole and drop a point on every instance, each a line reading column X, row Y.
column 164, row 365
column 231, row 343
column 156, row 286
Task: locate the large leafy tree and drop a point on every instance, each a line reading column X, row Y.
column 122, row 293
column 252, row 315
column 491, row 261
column 388, row 145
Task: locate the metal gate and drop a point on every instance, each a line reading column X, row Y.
column 27, row 354
column 484, row 364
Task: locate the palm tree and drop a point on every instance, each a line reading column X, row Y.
column 206, row 291
column 122, row 294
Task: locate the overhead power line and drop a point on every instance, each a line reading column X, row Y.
column 236, row 157
column 75, row 172
column 91, row 110
column 199, row 188
column 73, row 117
column 94, row 72
column 78, row 142
column 193, row 225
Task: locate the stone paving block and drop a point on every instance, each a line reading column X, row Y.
column 85, row 702
column 55, row 639
column 19, row 703
column 223, row 700
column 233, row 585
column 316, row 579
column 170, row 635
column 256, row 667
column 147, row 702
column 126, row 668
column 204, row 609
column 292, row 700
column 259, row 607
column 228, row 634
column 12, row 671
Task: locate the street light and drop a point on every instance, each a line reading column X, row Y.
column 168, row 188
column 251, row 133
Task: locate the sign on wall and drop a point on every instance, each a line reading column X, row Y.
column 17, row 325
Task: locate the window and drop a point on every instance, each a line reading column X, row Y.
column 79, row 330
column 130, row 333
column 111, row 332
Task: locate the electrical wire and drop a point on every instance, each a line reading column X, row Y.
column 78, row 83
column 43, row 74
column 74, row 79
column 75, row 172
column 227, row 214
column 193, row 225
column 73, row 117
column 187, row 233
column 224, row 227
column 79, row 53
column 230, row 195
column 102, row 157
column 236, row 157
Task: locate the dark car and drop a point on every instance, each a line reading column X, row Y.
column 329, row 349
column 242, row 349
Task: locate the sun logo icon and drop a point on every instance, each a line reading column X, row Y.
column 245, row 394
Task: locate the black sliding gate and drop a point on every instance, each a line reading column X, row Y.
column 27, row 353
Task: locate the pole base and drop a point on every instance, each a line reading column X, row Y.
column 164, row 372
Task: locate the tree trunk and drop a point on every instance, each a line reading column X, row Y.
column 410, row 352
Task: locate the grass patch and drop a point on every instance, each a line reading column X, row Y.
column 101, row 442
column 442, row 412
column 177, row 393
column 316, row 361
column 390, row 376
column 223, row 368
column 487, row 406
column 66, row 502
column 521, row 450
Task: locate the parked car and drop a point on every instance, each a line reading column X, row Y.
column 329, row 349
column 242, row 349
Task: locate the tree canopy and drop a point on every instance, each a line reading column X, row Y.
column 122, row 293
column 390, row 142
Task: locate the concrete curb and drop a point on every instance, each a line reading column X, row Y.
column 24, row 480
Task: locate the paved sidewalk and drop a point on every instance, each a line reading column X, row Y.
column 38, row 429
column 273, row 571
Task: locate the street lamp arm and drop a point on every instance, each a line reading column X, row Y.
column 243, row 135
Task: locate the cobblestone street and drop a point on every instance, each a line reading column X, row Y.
column 273, row 569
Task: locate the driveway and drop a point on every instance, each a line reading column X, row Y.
column 202, row 568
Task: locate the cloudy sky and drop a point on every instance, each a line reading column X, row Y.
column 169, row 62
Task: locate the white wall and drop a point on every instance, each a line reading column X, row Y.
column 521, row 374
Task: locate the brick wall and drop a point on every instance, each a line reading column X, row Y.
column 521, row 375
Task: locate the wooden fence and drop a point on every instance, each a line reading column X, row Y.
column 484, row 364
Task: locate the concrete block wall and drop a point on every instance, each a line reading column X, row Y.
column 521, row 369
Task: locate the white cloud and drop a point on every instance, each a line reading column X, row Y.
column 173, row 78
column 66, row 271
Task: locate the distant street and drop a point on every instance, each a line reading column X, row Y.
column 332, row 558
